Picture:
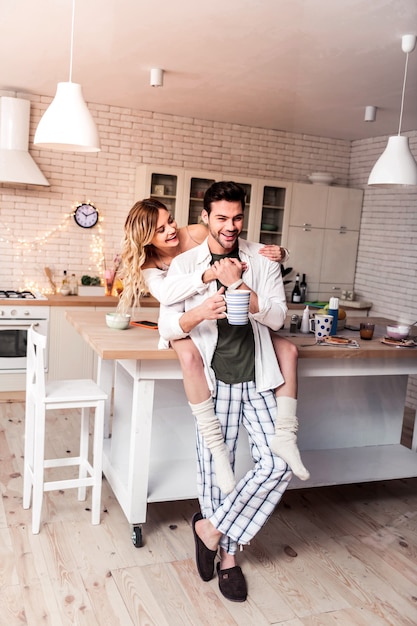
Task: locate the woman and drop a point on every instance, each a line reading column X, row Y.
column 151, row 241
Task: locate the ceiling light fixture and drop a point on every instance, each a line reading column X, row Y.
column 157, row 77
column 396, row 165
column 370, row 114
column 67, row 124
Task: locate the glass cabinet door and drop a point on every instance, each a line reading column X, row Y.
column 272, row 214
column 198, row 187
column 164, row 187
column 248, row 200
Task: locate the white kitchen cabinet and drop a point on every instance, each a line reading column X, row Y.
column 197, row 183
column 344, row 208
column 305, row 245
column 269, row 214
column 323, row 236
column 308, row 205
column 266, row 200
column 162, row 183
column 69, row 355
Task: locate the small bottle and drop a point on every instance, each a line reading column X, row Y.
column 64, row 284
column 334, row 310
column 296, row 292
column 303, row 288
column 73, row 285
column 65, row 288
column 305, row 321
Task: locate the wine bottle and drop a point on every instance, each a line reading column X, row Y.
column 296, row 292
column 303, row 288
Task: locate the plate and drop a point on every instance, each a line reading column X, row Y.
column 336, row 341
column 399, row 343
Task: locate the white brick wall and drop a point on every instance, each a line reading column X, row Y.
column 386, row 270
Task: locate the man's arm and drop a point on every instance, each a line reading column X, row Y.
column 267, row 301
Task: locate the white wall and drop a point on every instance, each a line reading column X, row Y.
column 386, row 270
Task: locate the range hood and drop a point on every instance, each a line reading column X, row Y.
column 16, row 164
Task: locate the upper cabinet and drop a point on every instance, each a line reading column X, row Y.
column 270, row 210
column 182, row 191
column 322, row 237
column 160, row 182
column 195, row 186
column 308, row 205
column 318, row 224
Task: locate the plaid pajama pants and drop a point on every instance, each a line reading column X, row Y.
column 242, row 513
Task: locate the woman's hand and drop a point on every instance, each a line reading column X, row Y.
column 275, row 253
column 228, row 270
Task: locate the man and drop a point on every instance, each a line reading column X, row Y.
column 242, row 373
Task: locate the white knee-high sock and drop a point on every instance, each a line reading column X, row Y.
column 284, row 443
column 209, row 427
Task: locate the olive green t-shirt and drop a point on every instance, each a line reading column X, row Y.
column 234, row 356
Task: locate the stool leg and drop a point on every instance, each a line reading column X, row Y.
column 97, row 462
column 38, row 465
column 84, row 440
column 28, row 453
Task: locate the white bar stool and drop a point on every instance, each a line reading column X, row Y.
column 59, row 394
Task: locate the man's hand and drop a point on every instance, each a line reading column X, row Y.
column 274, row 253
column 213, row 308
column 228, row 270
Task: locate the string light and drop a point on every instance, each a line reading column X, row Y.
column 23, row 246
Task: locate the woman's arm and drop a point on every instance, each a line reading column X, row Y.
column 172, row 289
column 275, row 253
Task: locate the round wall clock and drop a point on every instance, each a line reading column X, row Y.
column 86, row 215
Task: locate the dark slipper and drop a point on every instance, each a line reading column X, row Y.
column 203, row 556
column 232, row 583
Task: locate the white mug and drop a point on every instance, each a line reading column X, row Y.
column 321, row 325
column 237, row 302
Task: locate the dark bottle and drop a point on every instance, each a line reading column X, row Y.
column 303, row 288
column 296, row 292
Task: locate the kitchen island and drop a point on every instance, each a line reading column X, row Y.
column 350, row 408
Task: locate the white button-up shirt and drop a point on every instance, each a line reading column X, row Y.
column 263, row 277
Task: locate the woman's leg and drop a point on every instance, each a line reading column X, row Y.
column 284, row 444
column 202, row 407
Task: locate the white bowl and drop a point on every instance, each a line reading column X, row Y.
column 119, row 321
column 398, row 332
column 321, row 178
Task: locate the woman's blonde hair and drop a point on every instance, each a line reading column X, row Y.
column 139, row 230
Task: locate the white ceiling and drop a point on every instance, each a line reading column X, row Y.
column 306, row 66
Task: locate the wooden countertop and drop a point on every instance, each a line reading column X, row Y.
column 72, row 301
column 141, row 343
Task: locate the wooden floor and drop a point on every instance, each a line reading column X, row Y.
column 342, row 556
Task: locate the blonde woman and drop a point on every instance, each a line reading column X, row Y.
column 151, row 241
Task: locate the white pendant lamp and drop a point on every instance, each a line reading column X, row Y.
column 67, row 124
column 396, row 165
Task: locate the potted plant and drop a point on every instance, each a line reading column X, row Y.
column 90, row 286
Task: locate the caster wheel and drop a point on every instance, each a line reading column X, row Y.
column 137, row 536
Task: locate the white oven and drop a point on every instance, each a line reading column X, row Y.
column 14, row 324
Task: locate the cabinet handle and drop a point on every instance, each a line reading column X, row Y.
column 308, row 225
column 342, row 232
